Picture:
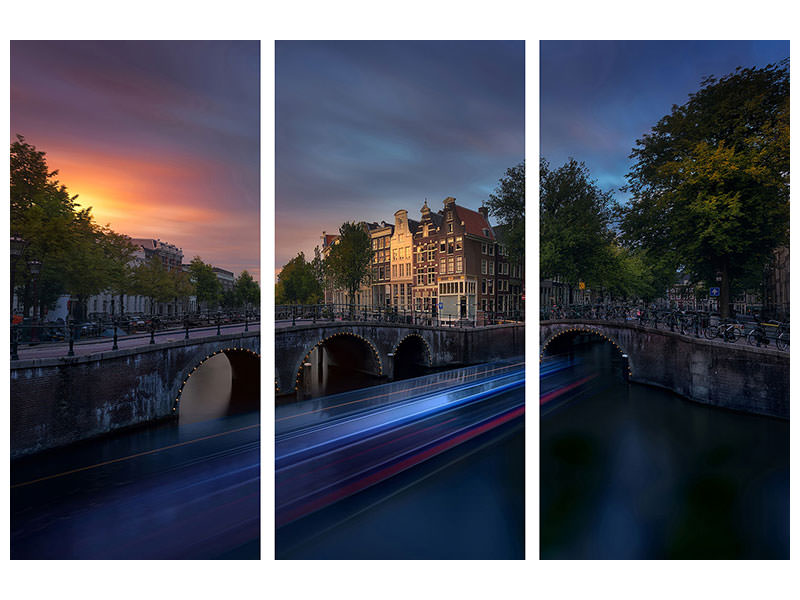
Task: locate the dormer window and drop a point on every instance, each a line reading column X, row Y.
column 485, row 233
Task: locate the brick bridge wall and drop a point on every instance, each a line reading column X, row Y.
column 446, row 345
column 735, row 376
column 58, row 401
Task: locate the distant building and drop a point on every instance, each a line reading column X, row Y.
column 381, row 264
column 225, row 278
column 171, row 256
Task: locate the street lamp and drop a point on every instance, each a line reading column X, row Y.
column 17, row 247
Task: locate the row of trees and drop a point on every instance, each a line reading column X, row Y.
column 709, row 191
column 57, row 248
column 348, row 264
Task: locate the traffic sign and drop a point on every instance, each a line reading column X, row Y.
column 441, row 305
column 581, row 285
column 713, row 292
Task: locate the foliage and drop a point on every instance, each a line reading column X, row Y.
column 349, row 259
column 207, row 287
column 574, row 218
column 710, row 181
column 153, row 280
column 297, row 283
column 246, row 290
column 507, row 204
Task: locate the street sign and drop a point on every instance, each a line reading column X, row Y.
column 581, row 285
column 441, row 305
column 713, row 292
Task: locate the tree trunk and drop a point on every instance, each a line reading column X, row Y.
column 724, row 292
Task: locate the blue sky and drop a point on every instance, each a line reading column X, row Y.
column 363, row 129
column 598, row 97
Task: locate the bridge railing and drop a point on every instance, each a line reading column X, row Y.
column 294, row 314
column 28, row 333
column 689, row 323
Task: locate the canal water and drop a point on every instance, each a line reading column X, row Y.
column 631, row 471
column 186, row 489
column 468, row 503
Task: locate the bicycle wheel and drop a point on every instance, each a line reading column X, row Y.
column 752, row 337
column 782, row 342
column 711, row 332
column 732, row 335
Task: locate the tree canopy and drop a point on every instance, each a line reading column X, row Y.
column 507, row 205
column 70, row 251
column 246, row 290
column 348, row 262
column 709, row 183
column 575, row 238
column 207, row 287
column 297, row 283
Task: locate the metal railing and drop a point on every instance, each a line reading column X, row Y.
column 293, row 314
column 29, row 334
column 697, row 324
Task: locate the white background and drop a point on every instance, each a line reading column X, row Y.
column 412, row 19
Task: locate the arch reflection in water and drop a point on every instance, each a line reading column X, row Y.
column 226, row 383
column 339, row 363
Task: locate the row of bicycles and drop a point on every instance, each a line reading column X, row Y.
column 691, row 323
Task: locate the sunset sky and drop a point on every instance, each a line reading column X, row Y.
column 363, row 129
column 599, row 97
column 161, row 139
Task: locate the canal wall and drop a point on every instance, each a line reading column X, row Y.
column 734, row 376
column 58, row 401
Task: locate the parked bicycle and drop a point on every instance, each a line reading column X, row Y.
column 728, row 330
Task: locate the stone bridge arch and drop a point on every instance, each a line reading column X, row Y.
column 370, row 357
column 245, row 369
column 609, row 334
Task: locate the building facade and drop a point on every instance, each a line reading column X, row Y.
column 381, row 264
column 402, row 260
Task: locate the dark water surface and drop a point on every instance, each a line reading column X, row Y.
column 630, row 471
column 466, row 504
column 186, row 489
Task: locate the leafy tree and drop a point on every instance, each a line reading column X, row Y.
column 152, row 280
column 348, row 262
column 246, row 290
column 507, row 205
column 576, row 242
column 710, row 181
column 182, row 288
column 42, row 215
column 297, row 283
column 207, row 287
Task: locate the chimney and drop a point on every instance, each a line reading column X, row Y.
column 485, row 212
column 449, row 200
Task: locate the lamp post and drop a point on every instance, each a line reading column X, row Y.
column 35, row 267
column 17, row 247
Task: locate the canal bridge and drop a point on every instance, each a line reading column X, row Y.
column 59, row 400
column 304, row 352
column 734, row 376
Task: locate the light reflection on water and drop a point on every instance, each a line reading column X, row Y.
column 207, row 394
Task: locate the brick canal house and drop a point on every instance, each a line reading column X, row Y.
column 450, row 263
column 402, row 243
column 381, row 265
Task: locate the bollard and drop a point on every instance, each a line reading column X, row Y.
column 245, row 321
column 115, row 347
column 313, row 314
column 219, row 318
column 14, row 342
column 71, row 339
column 152, row 330
column 293, row 316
